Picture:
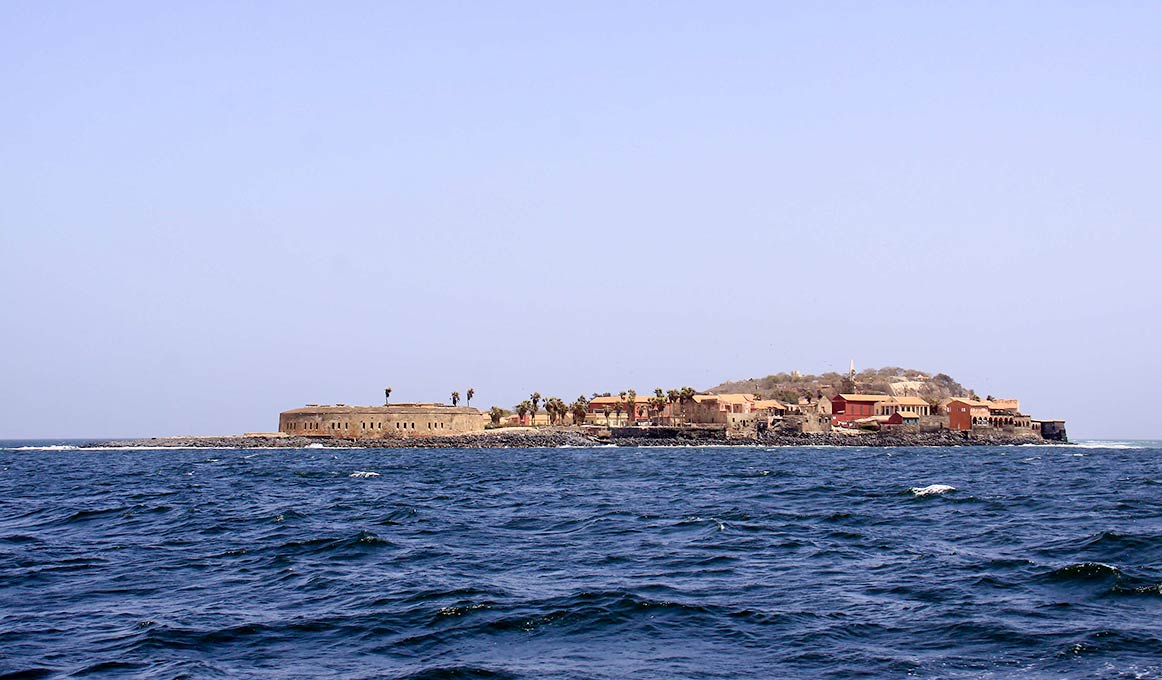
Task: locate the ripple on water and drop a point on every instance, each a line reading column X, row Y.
column 580, row 563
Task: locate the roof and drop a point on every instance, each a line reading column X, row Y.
column 734, row 398
column 1004, row 404
column 725, row 398
column 969, row 402
column 866, row 397
column 910, row 401
column 909, row 414
column 383, row 410
column 615, row 399
column 770, row 403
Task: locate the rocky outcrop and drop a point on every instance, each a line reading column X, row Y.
column 556, row 437
column 895, row 438
column 488, row 440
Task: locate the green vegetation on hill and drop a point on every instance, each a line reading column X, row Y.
column 789, row 387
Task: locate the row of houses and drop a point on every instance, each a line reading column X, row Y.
column 960, row 414
column 699, row 409
column 742, row 412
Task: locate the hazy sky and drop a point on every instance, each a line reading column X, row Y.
column 214, row 211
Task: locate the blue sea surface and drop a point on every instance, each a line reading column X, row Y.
column 581, row 562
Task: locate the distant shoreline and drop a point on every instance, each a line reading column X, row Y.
column 558, row 437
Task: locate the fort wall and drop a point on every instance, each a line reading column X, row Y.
column 380, row 422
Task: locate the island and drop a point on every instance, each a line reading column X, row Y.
column 879, row 407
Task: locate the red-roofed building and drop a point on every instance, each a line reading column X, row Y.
column 964, row 414
column 848, row 408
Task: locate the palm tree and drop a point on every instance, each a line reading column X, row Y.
column 522, row 409
column 534, row 400
column 471, row 393
column 455, row 398
column 580, row 408
column 619, row 408
column 631, row 399
column 685, row 397
column 386, row 395
column 560, row 408
column 672, row 396
column 495, row 413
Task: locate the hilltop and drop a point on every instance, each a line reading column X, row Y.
column 789, row 387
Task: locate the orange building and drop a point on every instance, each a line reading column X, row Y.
column 964, row 414
column 620, row 412
column 848, row 408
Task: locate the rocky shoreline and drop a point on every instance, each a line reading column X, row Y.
column 558, row 437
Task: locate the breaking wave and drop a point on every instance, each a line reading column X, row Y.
column 931, row 489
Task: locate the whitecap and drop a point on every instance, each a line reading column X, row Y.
column 932, row 489
column 1098, row 444
column 360, row 474
column 160, row 448
column 315, row 445
column 53, row 447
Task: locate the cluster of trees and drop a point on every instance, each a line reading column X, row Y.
column 629, row 403
column 554, row 406
column 654, row 406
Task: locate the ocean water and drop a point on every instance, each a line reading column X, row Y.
column 1005, row 562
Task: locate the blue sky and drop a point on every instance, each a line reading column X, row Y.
column 218, row 211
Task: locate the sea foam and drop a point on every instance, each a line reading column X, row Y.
column 931, row 489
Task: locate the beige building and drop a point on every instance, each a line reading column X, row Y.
column 717, row 408
column 380, row 422
column 914, row 405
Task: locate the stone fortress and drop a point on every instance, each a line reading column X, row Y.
column 391, row 421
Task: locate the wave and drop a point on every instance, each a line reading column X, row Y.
column 1150, row 589
column 397, row 516
column 456, row 673
column 1099, row 444
column 52, row 447
column 359, row 542
column 931, row 489
column 161, row 448
column 1084, row 572
column 362, row 474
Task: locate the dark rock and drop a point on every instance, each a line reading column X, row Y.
column 555, row 437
